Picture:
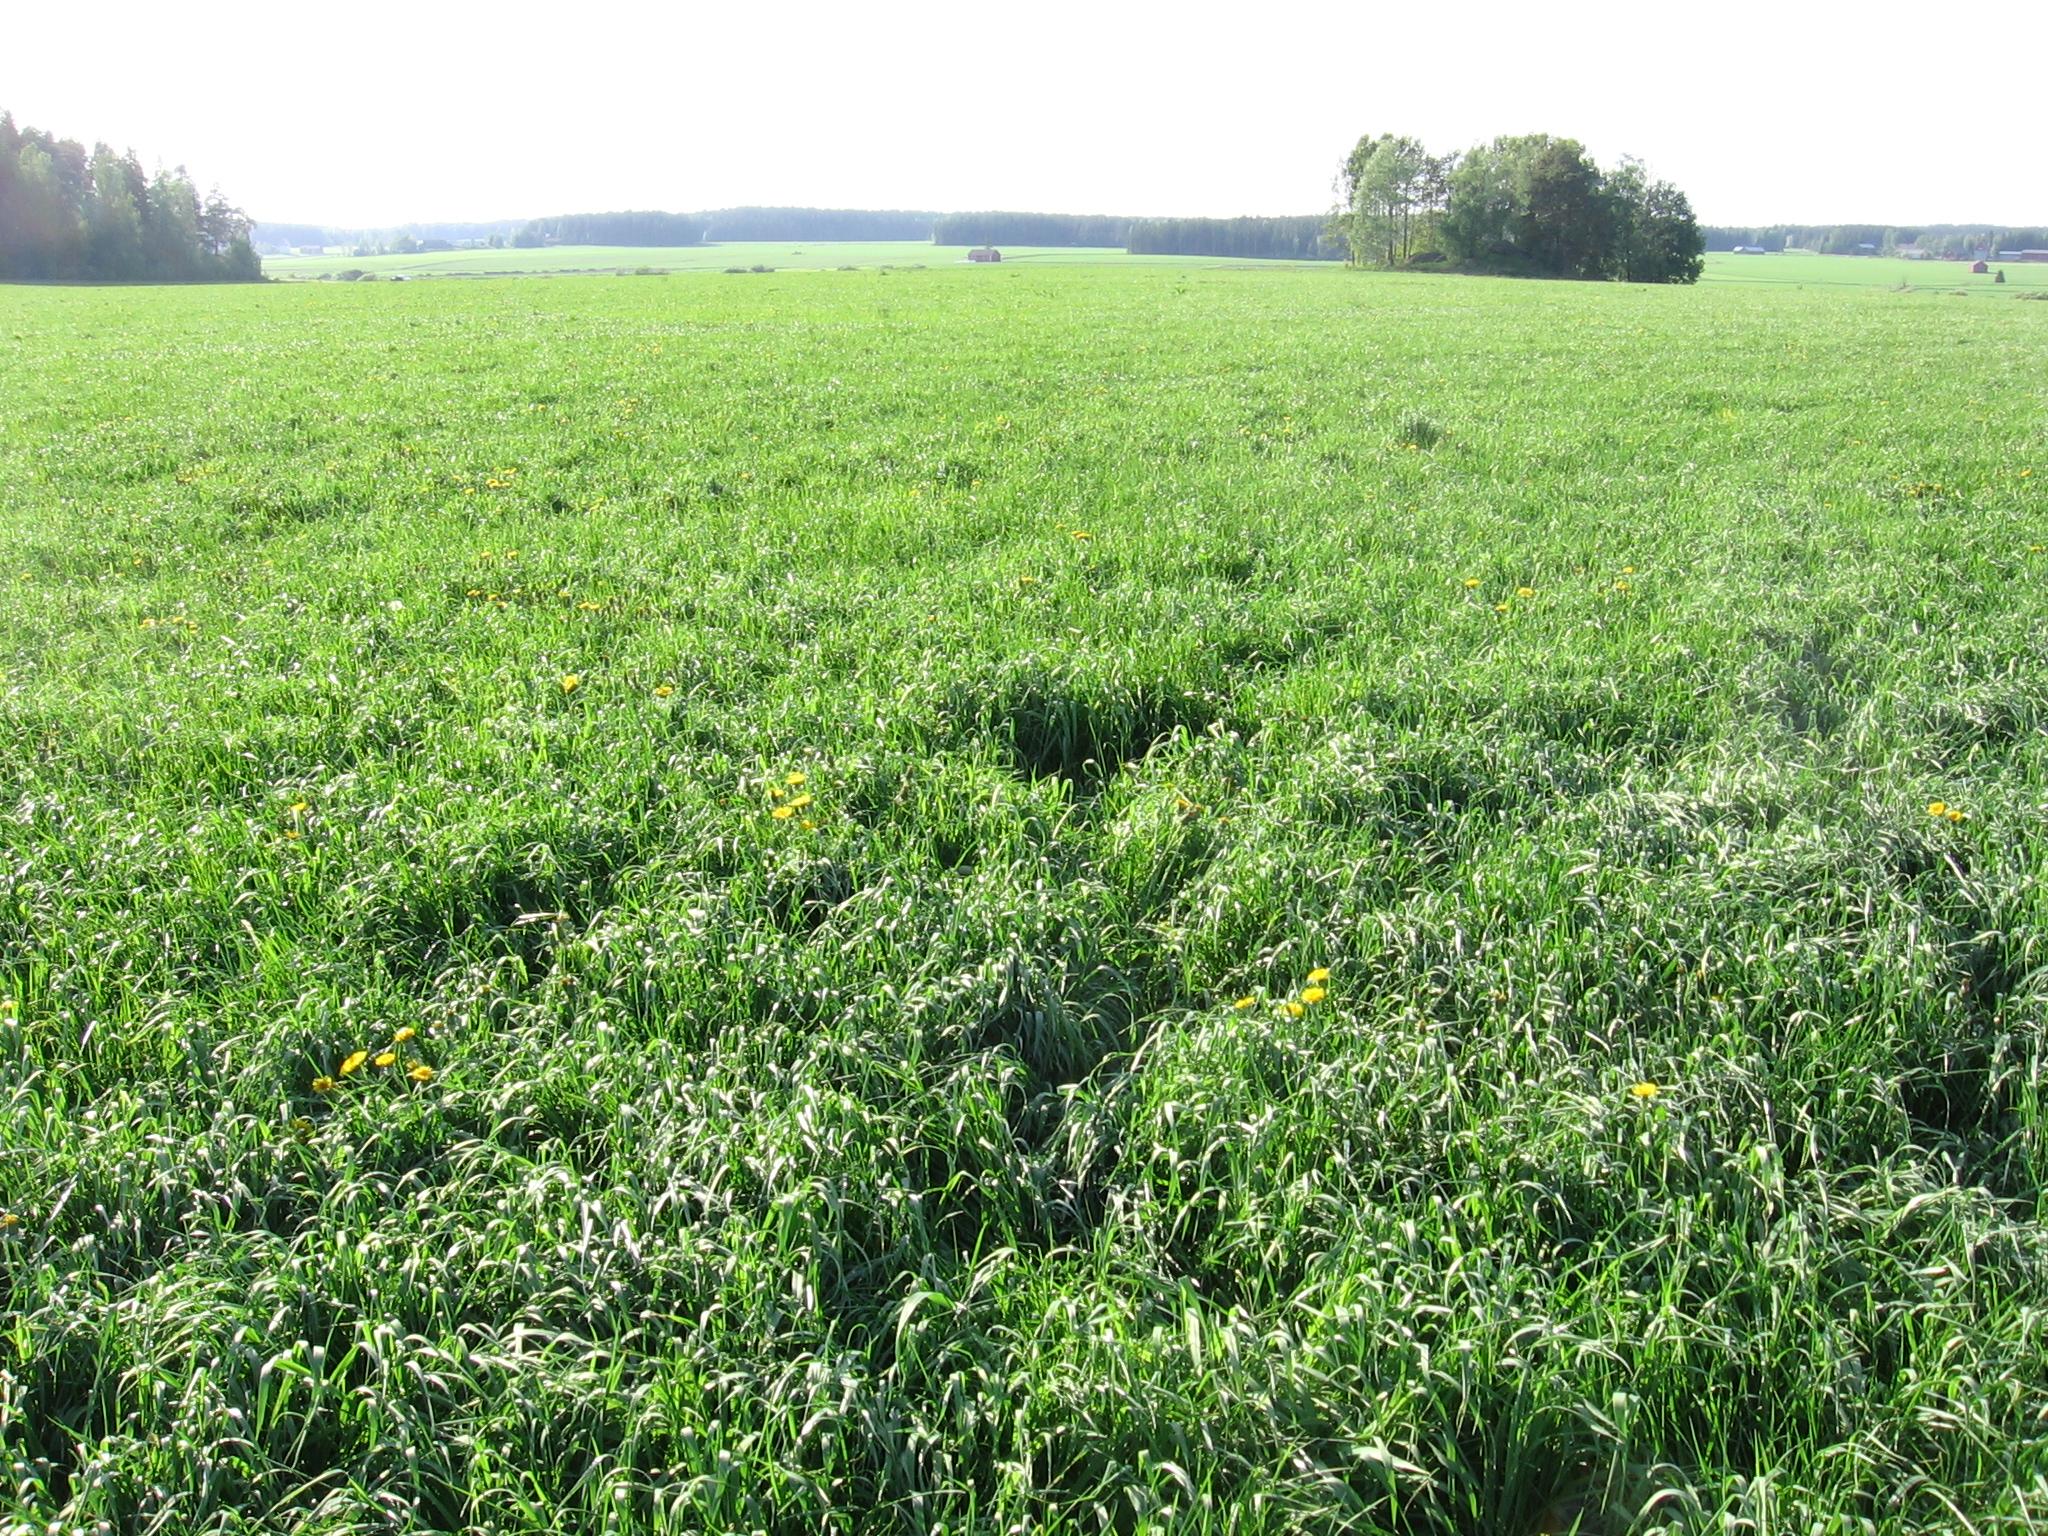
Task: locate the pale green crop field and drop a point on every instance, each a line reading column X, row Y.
column 796, row 256
column 1793, row 269
column 1119, row 899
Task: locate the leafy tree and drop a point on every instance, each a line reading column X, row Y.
column 1395, row 192
column 1479, row 224
column 1656, row 237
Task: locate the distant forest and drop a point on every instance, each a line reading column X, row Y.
column 69, row 215
column 1307, row 237
column 1310, row 237
column 1947, row 242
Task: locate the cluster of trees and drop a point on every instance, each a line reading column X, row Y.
column 1529, row 203
column 67, row 215
column 1306, row 238
column 1948, row 242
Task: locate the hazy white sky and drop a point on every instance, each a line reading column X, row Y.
column 365, row 112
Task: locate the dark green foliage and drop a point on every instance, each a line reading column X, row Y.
column 1654, row 238
column 67, row 216
column 1531, row 204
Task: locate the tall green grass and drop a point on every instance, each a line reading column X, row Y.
column 1567, row 670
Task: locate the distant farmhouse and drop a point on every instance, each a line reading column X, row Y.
column 1980, row 266
column 2023, row 255
column 986, row 253
column 1749, row 250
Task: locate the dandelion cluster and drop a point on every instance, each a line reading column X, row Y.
column 788, row 800
column 378, row 1059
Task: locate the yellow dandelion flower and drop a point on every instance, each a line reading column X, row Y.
column 1245, row 1002
column 1956, row 815
column 9, row 1221
column 1471, row 582
column 1645, row 1090
column 664, row 690
column 1500, row 607
column 7, row 1007
column 404, row 1035
column 323, row 1085
column 1314, row 994
column 1628, row 570
column 810, row 825
column 799, row 802
column 354, row 1062
column 1294, row 1010
column 589, row 607
column 420, row 1072
column 1621, row 586
column 795, row 779
column 149, row 623
column 782, row 813
column 299, row 807
column 1937, row 807
column 1319, row 975
column 386, row 1058
column 1083, row 534
column 1525, row 591
column 291, row 834
column 571, row 681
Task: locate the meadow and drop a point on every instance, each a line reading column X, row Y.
column 1099, row 898
column 1779, row 269
column 732, row 258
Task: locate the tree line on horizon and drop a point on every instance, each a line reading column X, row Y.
column 67, row 215
column 1305, row 237
column 1942, row 242
column 1525, row 204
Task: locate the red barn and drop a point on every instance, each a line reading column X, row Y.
column 1980, row 266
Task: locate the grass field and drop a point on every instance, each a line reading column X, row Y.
column 1789, row 270
column 1129, row 899
column 1795, row 269
column 781, row 256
